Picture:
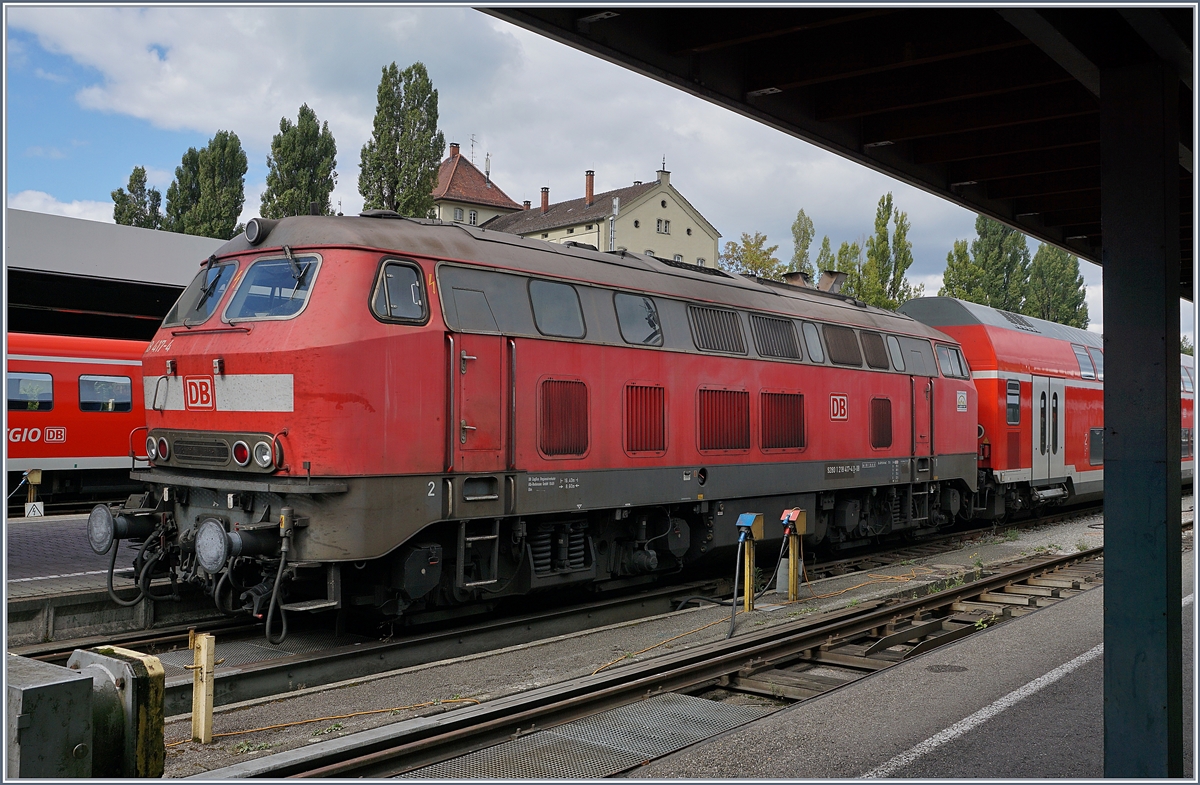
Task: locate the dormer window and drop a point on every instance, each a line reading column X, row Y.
column 679, row 257
column 474, row 216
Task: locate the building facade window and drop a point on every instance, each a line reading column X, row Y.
column 637, row 224
column 663, row 227
column 649, row 252
column 474, row 218
column 679, row 257
column 571, row 230
column 700, row 260
column 458, row 213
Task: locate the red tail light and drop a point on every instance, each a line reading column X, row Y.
column 241, row 453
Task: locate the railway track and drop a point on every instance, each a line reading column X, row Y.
column 788, row 662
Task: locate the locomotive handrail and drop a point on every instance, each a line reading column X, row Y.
column 132, row 452
column 451, row 381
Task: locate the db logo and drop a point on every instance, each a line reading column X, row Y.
column 198, row 393
column 837, row 406
column 50, row 435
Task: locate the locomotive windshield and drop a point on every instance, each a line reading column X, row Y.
column 273, row 289
column 200, row 298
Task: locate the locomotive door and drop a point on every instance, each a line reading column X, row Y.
column 922, row 416
column 476, row 430
column 1049, row 428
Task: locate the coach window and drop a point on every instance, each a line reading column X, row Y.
column 812, row 339
column 398, row 293
column 556, row 309
column 1185, row 378
column 1085, row 363
column 893, row 344
column 105, row 394
column 638, row 319
column 201, row 297
column 1098, row 361
column 273, row 289
column 30, row 392
column 1012, row 402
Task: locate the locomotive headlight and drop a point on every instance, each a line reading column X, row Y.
column 241, row 453
column 164, row 449
column 262, row 454
column 151, row 448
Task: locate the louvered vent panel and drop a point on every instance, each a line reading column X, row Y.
column 881, row 423
column 782, row 420
column 564, row 421
column 716, row 330
column 724, row 420
column 775, row 337
column 645, row 418
column 875, row 351
column 843, row 346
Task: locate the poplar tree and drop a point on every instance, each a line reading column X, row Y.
column 208, row 192
column 850, row 261
column 750, row 257
column 962, row 276
column 825, row 260
column 140, row 206
column 1056, row 291
column 1185, row 345
column 398, row 165
column 802, row 237
column 883, row 282
column 997, row 271
column 300, row 167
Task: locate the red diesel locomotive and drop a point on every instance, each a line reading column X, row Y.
column 403, row 415
column 1041, row 404
column 72, row 403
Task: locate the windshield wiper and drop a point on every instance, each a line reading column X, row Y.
column 207, row 291
column 298, row 273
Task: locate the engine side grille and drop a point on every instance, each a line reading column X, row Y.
column 207, row 453
column 782, row 421
column 724, row 420
column 775, row 337
column 564, row 418
column 645, row 418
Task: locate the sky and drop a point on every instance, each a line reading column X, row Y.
column 94, row 91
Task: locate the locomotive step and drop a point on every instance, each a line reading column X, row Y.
column 308, row 605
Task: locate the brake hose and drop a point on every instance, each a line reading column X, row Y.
column 283, row 552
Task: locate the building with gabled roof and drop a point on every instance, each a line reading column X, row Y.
column 651, row 218
column 466, row 195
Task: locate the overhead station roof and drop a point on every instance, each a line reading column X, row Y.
column 68, row 276
column 995, row 109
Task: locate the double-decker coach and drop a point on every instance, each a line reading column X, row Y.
column 1041, row 404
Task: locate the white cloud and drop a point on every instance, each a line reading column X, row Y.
column 50, row 77
column 40, row 202
column 44, row 152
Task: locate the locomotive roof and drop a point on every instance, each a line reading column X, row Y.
column 948, row 311
column 632, row 271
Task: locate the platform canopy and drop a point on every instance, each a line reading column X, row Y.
column 995, row 110
column 68, row 276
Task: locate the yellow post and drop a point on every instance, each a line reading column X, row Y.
column 748, row 600
column 202, row 687
column 793, row 567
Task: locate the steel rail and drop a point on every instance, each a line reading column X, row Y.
column 407, row 745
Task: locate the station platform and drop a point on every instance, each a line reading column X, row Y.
column 1020, row 700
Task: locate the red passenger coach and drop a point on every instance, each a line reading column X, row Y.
column 406, row 416
column 1041, row 404
column 72, row 403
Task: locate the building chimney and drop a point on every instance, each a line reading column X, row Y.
column 526, row 203
column 545, row 199
column 454, row 149
column 589, row 183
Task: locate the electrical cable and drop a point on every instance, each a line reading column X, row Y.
column 22, row 482
column 112, row 595
column 737, row 571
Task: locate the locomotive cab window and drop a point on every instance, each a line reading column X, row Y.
column 638, row 319
column 273, row 289
column 952, row 363
column 199, row 300
column 556, row 309
column 1085, row 362
column 30, row 392
column 105, row 394
column 398, row 293
column 893, row 345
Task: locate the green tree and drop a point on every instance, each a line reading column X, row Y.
column 399, row 164
column 750, row 257
column 825, row 260
column 882, row 277
column 961, row 278
column 184, row 192
column 1056, row 291
column 300, row 167
column 802, row 237
column 141, row 206
column 208, row 192
column 850, row 261
column 1185, row 345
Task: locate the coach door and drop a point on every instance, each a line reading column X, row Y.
column 476, row 429
column 1049, row 428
